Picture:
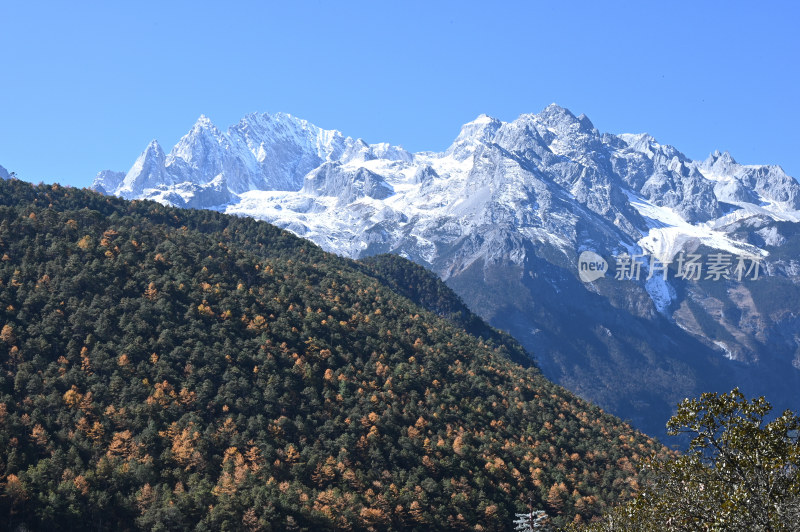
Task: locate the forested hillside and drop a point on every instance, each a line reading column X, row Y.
column 166, row 369
column 424, row 288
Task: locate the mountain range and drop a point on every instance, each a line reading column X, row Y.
column 503, row 216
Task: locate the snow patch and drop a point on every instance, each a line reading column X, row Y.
column 668, row 233
column 727, row 352
column 661, row 292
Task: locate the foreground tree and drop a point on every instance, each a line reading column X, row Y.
column 740, row 472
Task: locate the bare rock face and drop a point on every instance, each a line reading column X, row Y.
column 331, row 179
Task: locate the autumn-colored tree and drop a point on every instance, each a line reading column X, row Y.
column 555, row 497
column 7, row 334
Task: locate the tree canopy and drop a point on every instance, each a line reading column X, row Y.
column 166, row 369
column 741, row 471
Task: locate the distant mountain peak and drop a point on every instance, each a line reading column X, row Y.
column 484, row 118
column 723, row 157
column 555, row 109
column 204, row 121
column 555, row 112
column 478, row 131
column 154, row 146
column 480, row 123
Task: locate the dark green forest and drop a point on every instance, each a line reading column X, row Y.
column 166, row 369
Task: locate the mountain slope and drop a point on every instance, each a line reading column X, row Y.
column 178, row 369
column 504, row 213
column 425, row 289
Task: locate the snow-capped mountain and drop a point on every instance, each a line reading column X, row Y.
column 503, row 214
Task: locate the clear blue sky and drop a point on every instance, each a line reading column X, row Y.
column 86, row 85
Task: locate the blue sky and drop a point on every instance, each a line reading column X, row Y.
column 87, row 85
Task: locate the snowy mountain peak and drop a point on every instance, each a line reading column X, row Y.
column 199, row 144
column 481, row 129
column 283, row 125
column 648, row 146
column 554, row 115
column 725, row 157
column 555, row 110
column 146, row 172
column 203, row 121
column 720, row 163
column 154, row 148
column 478, row 131
column 483, row 118
column 759, row 185
column 641, row 142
